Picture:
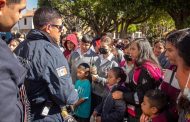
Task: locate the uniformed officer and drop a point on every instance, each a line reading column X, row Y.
column 48, row 82
column 12, row 74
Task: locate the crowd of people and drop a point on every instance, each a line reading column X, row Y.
column 95, row 79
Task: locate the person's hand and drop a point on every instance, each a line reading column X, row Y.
column 117, row 95
column 94, row 77
column 144, row 118
column 73, row 107
column 98, row 119
column 93, row 70
column 95, row 113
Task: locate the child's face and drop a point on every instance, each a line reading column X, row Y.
column 105, row 45
column 84, row 46
column 81, row 74
column 111, row 78
column 70, row 45
column 158, row 48
column 146, row 107
column 126, row 51
column 13, row 44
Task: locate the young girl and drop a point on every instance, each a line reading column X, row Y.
column 83, row 86
column 154, row 107
column 110, row 110
column 70, row 45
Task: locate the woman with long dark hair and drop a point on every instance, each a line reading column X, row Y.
column 145, row 75
column 183, row 74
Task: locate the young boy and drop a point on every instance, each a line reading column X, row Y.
column 83, row 86
column 84, row 54
column 154, row 107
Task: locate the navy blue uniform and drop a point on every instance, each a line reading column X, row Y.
column 48, row 77
column 12, row 75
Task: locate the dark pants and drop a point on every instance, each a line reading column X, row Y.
column 96, row 100
column 80, row 119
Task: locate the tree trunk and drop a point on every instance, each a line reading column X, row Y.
column 121, row 30
column 181, row 19
column 124, row 31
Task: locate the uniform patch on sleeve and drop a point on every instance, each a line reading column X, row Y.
column 62, row 71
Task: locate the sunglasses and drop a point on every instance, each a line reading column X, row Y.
column 59, row 27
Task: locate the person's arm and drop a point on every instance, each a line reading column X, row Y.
column 103, row 80
column 85, row 94
column 80, row 101
column 136, row 97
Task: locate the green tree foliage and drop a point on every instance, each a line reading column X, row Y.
column 157, row 25
column 104, row 15
column 134, row 12
column 179, row 10
column 117, row 15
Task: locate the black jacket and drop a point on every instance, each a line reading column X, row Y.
column 48, row 77
column 111, row 110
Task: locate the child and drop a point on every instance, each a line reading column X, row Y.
column 70, row 45
column 83, row 54
column 83, row 86
column 154, row 107
column 158, row 48
column 110, row 110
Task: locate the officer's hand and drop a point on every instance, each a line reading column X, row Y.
column 117, row 95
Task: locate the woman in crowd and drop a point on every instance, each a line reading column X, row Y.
column 183, row 74
column 145, row 75
column 170, row 84
column 127, row 64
